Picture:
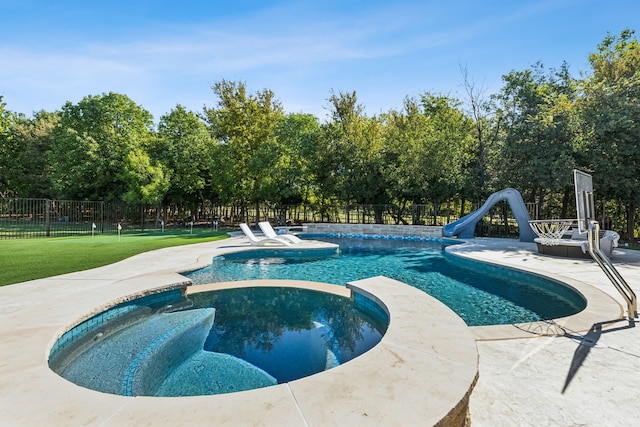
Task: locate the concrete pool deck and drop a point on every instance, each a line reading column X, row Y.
column 584, row 377
column 426, row 348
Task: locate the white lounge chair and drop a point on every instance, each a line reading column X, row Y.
column 254, row 240
column 268, row 231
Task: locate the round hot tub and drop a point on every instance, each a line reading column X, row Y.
column 215, row 339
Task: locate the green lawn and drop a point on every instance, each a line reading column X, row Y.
column 28, row 259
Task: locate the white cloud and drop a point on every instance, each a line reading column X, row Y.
column 304, row 49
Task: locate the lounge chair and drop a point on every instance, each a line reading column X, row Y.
column 256, row 241
column 268, row 231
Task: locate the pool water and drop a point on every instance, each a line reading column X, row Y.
column 217, row 342
column 289, row 332
column 230, row 340
column 480, row 294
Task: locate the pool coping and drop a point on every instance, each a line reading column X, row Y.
column 378, row 384
column 426, row 347
column 33, row 313
column 599, row 305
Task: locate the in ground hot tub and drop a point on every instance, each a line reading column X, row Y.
column 217, row 339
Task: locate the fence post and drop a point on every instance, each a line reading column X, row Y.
column 47, row 219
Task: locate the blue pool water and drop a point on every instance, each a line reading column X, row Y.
column 480, row 294
column 216, row 341
column 231, row 340
column 290, row 333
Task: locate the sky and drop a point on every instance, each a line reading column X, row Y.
column 164, row 53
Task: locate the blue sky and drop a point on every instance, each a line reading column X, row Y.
column 163, row 53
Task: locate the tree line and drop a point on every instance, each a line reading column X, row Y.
column 436, row 149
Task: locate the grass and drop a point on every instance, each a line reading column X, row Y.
column 29, row 259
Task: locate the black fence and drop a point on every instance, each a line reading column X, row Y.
column 22, row 218
column 43, row 217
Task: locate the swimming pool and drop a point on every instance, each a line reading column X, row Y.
column 479, row 293
column 217, row 341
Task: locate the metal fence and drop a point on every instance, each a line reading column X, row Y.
column 43, row 217
column 21, row 218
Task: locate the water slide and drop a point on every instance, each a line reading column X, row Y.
column 465, row 226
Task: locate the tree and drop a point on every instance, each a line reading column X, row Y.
column 91, row 145
column 407, row 133
column 537, row 153
column 184, row 148
column 424, row 147
column 247, row 156
column 34, row 137
column 148, row 180
column 23, row 146
column 350, row 156
column 297, row 135
column 611, row 112
column 9, row 149
column 486, row 130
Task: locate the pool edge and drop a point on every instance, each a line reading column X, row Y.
column 599, row 304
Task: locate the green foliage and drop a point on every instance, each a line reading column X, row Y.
column 33, row 136
column 611, row 113
column 616, row 61
column 298, row 135
column 24, row 143
column 9, row 149
column 185, row 149
column 409, row 162
column 245, row 150
column 61, row 255
column 350, row 155
column 248, row 152
column 91, row 145
column 537, row 153
column 450, row 138
column 426, row 144
column 148, row 180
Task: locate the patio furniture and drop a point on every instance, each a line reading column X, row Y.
column 258, row 241
column 269, row 232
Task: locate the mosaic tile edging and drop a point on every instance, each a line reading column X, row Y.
column 117, row 310
column 127, row 383
column 556, row 286
column 280, row 252
column 372, row 308
column 375, row 229
column 381, row 237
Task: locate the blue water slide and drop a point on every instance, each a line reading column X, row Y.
column 465, row 226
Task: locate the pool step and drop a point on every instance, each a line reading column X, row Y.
column 113, row 361
column 207, row 372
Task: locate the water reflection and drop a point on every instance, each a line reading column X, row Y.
column 480, row 294
column 288, row 332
